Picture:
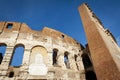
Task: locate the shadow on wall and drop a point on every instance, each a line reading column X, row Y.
column 90, row 75
column 54, row 56
column 89, row 71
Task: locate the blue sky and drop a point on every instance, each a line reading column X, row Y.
column 61, row 15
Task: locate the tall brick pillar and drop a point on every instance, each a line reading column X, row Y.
column 104, row 64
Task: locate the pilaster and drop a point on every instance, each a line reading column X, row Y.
column 6, row 60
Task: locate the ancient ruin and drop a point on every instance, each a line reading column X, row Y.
column 104, row 51
column 52, row 55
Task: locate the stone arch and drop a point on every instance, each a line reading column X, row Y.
column 66, row 59
column 17, row 55
column 86, row 60
column 38, row 59
column 89, row 71
column 38, row 49
column 76, row 61
column 3, row 47
column 55, row 56
column 75, row 57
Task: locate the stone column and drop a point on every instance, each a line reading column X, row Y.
column 25, row 64
column 104, row 64
column 50, row 57
column 6, row 60
column 62, row 62
column 80, row 63
column 72, row 62
column 26, row 59
column 59, row 59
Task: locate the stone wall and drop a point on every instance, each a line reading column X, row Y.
column 103, row 47
column 39, row 46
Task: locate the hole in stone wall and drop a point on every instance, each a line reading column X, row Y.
column 1, row 58
column 66, row 60
column 77, row 43
column 9, row 26
column 2, row 51
column 77, row 66
column 17, row 55
column 75, row 56
column 90, row 75
column 11, row 74
column 63, row 36
column 55, row 51
column 86, row 61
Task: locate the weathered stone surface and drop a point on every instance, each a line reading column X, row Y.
column 103, row 47
column 38, row 67
column 37, row 60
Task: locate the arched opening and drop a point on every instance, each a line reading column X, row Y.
column 90, row 75
column 75, row 57
column 86, row 61
column 1, row 58
column 9, row 26
column 36, row 50
column 2, row 51
column 17, row 55
column 66, row 60
column 89, row 71
column 54, row 56
column 38, row 61
column 11, row 74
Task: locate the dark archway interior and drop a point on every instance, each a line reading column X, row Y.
column 9, row 26
column 89, row 72
column 11, row 74
column 65, row 57
column 66, row 60
column 86, row 61
column 75, row 56
column 1, row 57
column 90, row 75
column 55, row 56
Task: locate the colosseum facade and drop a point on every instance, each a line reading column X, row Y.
column 48, row 54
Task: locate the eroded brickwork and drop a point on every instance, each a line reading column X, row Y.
column 103, row 47
column 39, row 48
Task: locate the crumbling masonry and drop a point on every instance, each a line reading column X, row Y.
column 48, row 47
column 104, row 50
column 51, row 55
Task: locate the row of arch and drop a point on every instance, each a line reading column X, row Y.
column 18, row 52
column 66, row 59
column 17, row 56
column 55, row 58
